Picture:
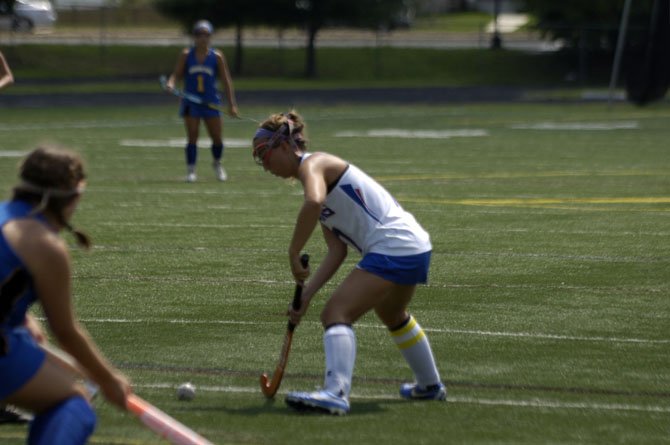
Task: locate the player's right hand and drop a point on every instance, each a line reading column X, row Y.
column 116, row 389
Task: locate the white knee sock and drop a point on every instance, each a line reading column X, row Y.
column 339, row 343
column 414, row 346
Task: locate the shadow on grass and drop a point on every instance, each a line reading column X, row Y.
column 277, row 407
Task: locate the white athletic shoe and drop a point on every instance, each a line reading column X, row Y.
column 220, row 172
column 412, row 391
column 11, row 414
column 318, row 401
column 191, row 177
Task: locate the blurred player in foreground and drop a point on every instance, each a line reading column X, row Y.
column 6, row 76
column 355, row 211
column 199, row 67
column 35, row 266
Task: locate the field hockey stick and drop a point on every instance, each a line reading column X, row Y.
column 269, row 386
column 188, row 96
column 156, row 420
column 163, row 425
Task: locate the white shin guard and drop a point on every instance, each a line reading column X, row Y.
column 339, row 343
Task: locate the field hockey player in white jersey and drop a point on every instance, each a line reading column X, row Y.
column 354, row 211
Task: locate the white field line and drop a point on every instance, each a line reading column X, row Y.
column 209, row 279
column 529, row 403
column 524, row 231
column 82, row 125
column 520, row 175
column 529, row 335
column 472, row 254
column 579, row 126
column 12, row 154
column 199, row 226
column 191, row 191
column 412, row 134
column 608, row 233
column 204, row 143
column 560, row 232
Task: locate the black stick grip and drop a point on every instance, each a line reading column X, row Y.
column 304, row 260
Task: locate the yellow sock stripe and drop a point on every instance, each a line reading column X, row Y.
column 405, row 329
column 412, row 341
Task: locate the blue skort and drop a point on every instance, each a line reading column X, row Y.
column 408, row 270
column 21, row 362
column 192, row 109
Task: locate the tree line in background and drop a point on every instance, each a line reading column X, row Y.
column 597, row 24
column 592, row 24
column 310, row 15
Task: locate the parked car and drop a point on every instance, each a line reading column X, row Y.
column 26, row 15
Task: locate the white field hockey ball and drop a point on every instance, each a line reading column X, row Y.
column 186, row 391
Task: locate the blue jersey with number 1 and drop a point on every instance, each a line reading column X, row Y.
column 200, row 78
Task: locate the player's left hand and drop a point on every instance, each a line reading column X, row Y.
column 300, row 273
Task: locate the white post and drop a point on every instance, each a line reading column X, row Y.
column 619, row 50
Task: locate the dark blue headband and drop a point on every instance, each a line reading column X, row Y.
column 265, row 133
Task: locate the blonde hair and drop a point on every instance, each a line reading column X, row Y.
column 290, row 125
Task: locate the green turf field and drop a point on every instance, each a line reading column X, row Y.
column 548, row 307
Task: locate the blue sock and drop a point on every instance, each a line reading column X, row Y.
column 71, row 422
column 191, row 154
column 217, row 152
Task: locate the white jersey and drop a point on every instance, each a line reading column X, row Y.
column 363, row 214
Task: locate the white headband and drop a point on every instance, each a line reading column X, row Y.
column 55, row 192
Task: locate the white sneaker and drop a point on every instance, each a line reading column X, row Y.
column 318, row 401
column 220, row 172
column 412, row 391
column 191, row 177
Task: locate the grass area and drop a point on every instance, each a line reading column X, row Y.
column 466, row 22
column 547, row 307
column 43, row 68
column 461, row 22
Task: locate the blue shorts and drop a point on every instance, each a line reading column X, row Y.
column 188, row 108
column 411, row 269
column 21, row 362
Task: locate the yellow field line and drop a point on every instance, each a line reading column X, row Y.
column 542, row 201
column 514, row 175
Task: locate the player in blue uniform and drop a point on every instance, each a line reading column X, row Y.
column 35, row 267
column 200, row 66
column 8, row 415
column 354, row 211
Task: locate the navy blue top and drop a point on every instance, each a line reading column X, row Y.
column 200, row 78
column 17, row 291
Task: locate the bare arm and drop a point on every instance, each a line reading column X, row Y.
column 178, row 73
column 47, row 258
column 6, row 76
column 227, row 82
column 337, row 253
column 311, row 174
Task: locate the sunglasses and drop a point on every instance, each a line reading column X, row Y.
column 262, row 152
